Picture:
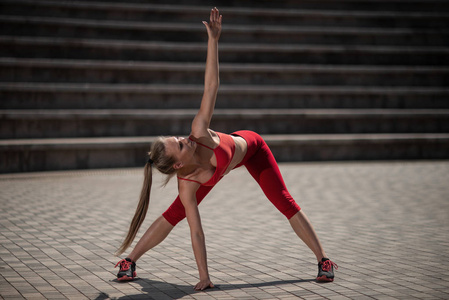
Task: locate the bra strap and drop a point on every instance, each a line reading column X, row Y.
column 189, row 180
column 202, row 144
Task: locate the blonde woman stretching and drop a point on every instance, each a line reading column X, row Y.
column 199, row 162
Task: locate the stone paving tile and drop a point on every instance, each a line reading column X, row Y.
column 385, row 223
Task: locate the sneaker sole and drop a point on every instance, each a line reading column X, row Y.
column 324, row 279
column 126, row 278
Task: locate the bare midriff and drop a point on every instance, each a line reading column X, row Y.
column 240, row 151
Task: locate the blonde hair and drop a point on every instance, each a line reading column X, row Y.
column 163, row 164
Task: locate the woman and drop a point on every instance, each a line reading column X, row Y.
column 199, row 162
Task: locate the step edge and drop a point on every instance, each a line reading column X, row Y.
column 240, row 10
column 193, row 27
column 199, row 66
column 130, row 142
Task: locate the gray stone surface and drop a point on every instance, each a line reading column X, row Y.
column 386, row 224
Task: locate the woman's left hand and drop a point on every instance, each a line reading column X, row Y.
column 214, row 26
column 204, row 284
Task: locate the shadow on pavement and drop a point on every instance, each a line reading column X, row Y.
column 151, row 288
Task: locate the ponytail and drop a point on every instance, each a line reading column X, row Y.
column 163, row 164
column 141, row 210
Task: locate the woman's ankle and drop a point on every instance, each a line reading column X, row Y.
column 131, row 258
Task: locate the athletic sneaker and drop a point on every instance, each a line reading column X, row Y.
column 127, row 270
column 326, row 270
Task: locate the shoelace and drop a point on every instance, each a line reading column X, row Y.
column 124, row 265
column 327, row 265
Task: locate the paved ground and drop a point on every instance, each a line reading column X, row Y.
column 385, row 223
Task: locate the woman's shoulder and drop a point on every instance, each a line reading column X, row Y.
column 209, row 138
column 199, row 176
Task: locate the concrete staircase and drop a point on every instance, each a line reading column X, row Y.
column 88, row 84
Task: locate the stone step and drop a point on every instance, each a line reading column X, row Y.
column 47, row 47
column 368, row 5
column 195, row 32
column 19, row 124
column 234, row 15
column 77, row 153
column 120, row 72
column 149, row 96
column 93, row 153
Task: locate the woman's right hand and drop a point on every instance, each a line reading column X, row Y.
column 214, row 26
column 204, row 284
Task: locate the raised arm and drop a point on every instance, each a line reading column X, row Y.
column 202, row 120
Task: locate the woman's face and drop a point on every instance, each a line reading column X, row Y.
column 181, row 149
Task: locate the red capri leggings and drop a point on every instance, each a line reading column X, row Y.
column 261, row 164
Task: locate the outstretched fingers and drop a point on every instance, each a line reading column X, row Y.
column 215, row 15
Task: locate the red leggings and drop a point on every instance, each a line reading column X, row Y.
column 261, row 164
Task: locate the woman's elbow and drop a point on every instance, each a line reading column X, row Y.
column 212, row 87
column 197, row 234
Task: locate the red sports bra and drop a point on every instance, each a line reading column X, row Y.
column 224, row 153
